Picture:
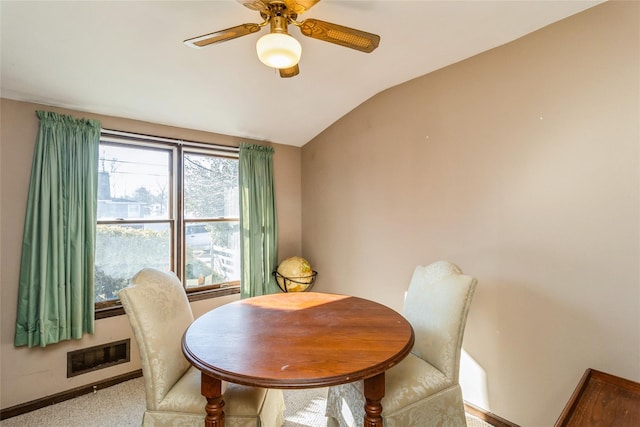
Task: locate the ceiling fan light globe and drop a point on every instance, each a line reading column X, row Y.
column 278, row 50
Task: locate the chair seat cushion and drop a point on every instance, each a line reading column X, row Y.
column 410, row 384
column 185, row 396
column 409, row 381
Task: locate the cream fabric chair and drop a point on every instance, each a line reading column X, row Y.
column 159, row 313
column 423, row 389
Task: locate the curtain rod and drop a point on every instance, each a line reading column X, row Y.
column 143, row 137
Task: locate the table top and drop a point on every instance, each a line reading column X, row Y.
column 298, row 340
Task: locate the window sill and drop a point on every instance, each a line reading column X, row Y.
column 117, row 310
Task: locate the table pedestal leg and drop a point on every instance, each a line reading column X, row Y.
column 373, row 394
column 211, row 388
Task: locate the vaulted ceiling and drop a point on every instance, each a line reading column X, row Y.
column 127, row 59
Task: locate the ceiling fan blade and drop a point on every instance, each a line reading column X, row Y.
column 222, row 35
column 300, row 6
column 338, row 34
column 289, row 72
column 254, row 4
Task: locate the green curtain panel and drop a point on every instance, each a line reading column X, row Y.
column 55, row 295
column 258, row 221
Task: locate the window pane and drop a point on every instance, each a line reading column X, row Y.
column 212, row 253
column 210, row 187
column 133, row 182
column 123, row 250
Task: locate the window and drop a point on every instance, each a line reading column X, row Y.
column 211, row 217
column 169, row 205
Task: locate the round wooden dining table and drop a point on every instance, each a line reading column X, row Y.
column 297, row 340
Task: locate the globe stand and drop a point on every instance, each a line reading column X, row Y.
column 282, row 283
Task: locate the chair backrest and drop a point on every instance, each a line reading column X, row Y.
column 159, row 313
column 436, row 305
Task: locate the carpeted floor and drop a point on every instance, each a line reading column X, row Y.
column 123, row 405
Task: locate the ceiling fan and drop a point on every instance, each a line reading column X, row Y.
column 280, row 50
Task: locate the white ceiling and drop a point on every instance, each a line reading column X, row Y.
column 127, row 59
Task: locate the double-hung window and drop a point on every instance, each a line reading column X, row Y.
column 166, row 204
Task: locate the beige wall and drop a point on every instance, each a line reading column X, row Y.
column 521, row 165
column 28, row 374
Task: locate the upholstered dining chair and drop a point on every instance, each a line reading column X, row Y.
column 159, row 313
column 423, row 389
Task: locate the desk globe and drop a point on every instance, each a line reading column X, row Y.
column 295, row 274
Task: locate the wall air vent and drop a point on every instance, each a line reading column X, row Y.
column 97, row 357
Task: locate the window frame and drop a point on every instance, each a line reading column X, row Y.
column 176, row 218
